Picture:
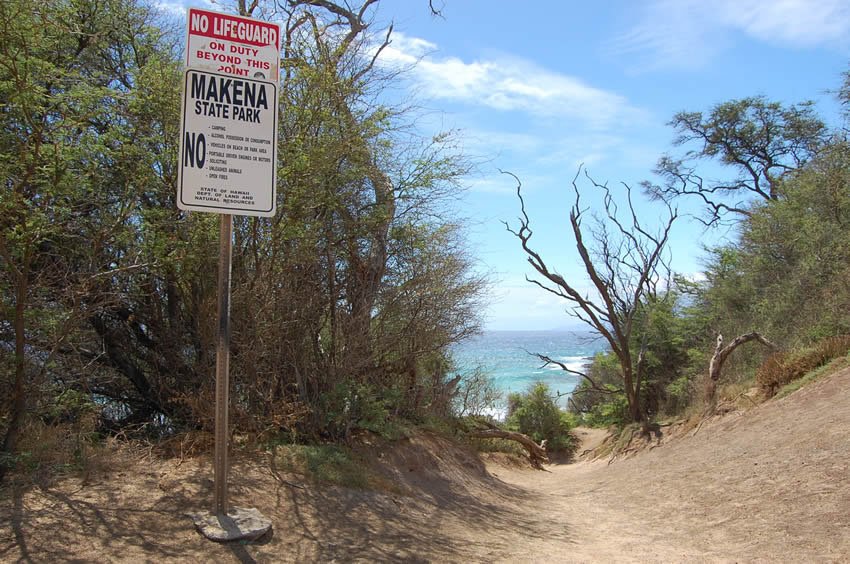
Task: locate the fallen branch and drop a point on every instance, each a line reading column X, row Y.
column 536, row 453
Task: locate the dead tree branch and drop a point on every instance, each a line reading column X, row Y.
column 721, row 353
column 536, row 453
column 625, row 267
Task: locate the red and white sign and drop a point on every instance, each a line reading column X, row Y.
column 228, row 135
column 233, row 45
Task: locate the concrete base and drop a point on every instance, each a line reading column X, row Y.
column 239, row 524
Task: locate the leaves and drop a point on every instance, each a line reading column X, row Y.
column 762, row 142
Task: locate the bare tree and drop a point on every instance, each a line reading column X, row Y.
column 625, row 265
column 719, row 357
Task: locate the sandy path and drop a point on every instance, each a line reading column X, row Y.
column 771, row 485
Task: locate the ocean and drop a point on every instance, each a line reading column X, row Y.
column 507, row 357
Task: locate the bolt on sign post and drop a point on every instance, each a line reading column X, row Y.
column 227, row 165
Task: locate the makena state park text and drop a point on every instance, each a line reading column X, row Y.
column 228, row 98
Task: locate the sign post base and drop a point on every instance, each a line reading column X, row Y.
column 238, row 524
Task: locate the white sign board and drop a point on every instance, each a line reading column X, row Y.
column 228, row 144
column 233, row 45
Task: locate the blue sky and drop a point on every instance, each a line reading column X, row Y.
column 537, row 88
column 540, row 89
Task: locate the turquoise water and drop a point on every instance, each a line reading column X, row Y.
column 505, row 357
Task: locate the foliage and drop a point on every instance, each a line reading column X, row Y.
column 813, row 376
column 72, row 176
column 348, row 408
column 71, row 407
column 783, row 274
column 325, row 463
column 498, row 445
column 477, row 394
column 667, row 332
column 344, row 306
column 536, row 414
column 763, row 142
column 613, row 410
column 604, row 371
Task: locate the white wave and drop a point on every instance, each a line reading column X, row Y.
column 577, row 363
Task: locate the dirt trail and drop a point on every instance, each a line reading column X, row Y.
column 769, row 485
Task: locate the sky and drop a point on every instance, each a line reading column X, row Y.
column 539, row 88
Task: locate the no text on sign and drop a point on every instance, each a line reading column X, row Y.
column 233, row 45
column 228, row 147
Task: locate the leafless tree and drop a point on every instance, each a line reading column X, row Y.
column 718, row 359
column 625, row 264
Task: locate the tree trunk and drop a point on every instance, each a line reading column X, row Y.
column 19, row 403
column 632, row 388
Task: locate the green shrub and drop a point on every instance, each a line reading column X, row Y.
column 536, row 414
column 330, row 464
column 358, row 406
column 613, row 411
column 678, row 394
column 72, row 407
column 476, row 394
column 498, row 445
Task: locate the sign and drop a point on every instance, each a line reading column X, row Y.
column 227, row 165
column 233, row 45
column 228, row 144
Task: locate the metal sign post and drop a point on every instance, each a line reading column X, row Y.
column 222, row 364
column 228, row 165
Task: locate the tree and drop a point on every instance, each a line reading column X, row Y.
column 377, row 283
column 792, row 258
column 535, row 413
column 843, row 95
column 66, row 70
column 762, row 141
column 625, row 265
column 344, row 304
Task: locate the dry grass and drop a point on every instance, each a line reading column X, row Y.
column 50, row 450
column 813, row 376
column 782, row 368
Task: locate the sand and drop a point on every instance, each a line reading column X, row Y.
column 766, row 485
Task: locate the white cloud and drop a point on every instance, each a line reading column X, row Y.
column 179, row 7
column 494, row 142
column 688, row 33
column 588, row 149
column 695, row 277
column 492, row 185
column 495, row 182
column 521, row 305
column 797, row 22
column 508, row 84
column 406, row 50
column 173, row 8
